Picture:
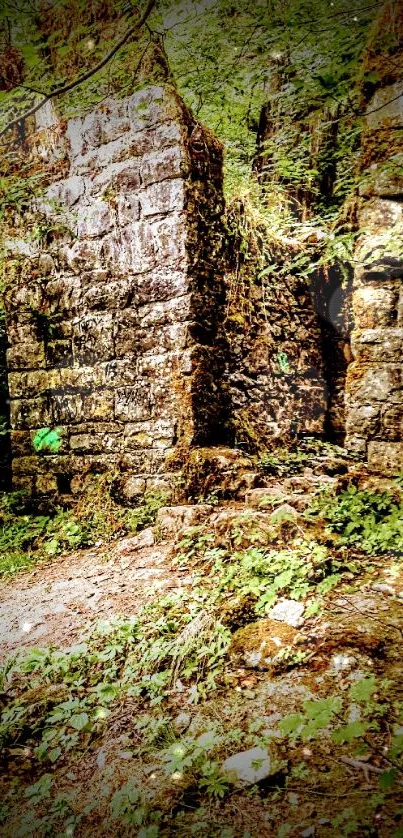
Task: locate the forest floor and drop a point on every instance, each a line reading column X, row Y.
column 234, row 670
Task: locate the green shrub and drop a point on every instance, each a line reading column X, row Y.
column 372, row 521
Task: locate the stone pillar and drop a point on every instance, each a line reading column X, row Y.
column 374, row 393
column 113, row 299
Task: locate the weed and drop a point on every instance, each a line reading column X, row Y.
column 372, row 521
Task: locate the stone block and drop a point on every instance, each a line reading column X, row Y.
column 385, row 457
column 172, row 519
column 392, row 423
column 162, row 165
column 98, row 406
column 46, row 484
column 66, row 192
column 150, row 106
column 366, row 385
column 21, row 443
column 133, row 403
column 28, row 385
column 131, row 249
column 161, row 284
column 162, row 198
column 170, row 240
column 87, row 443
column 67, row 408
column 95, row 220
column 59, row 353
column 115, row 179
column 377, row 346
column 366, row 418
column 128, row 209
column 375, row 307
column 64, row 296
column 104, row 126
column 46, row 264
column 22, row 327
column 173, row 311
column 127, row 339
column 23, row 483
column 93, row 338
column 385, row 107
column 378, row 214
column 132, row 488
column 84, row 255
column 30, row 413
column 26, row 356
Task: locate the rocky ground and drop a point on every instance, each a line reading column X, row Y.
column 299, row 733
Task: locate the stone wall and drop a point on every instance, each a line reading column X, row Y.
column 275, row 374
column 113, row 297
column 374, row 391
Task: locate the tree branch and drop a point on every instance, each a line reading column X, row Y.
column 58, row 91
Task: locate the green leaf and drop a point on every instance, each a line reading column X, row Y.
column 363, row 690
column 79, row 721
column 349, row 732
column 388, row 779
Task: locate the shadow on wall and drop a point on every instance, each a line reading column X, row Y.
column 331, row 293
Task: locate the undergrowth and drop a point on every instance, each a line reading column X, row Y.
column 372, row 521
column 176, row 652
column 27, row 536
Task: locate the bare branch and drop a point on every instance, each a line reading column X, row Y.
column 59, row 91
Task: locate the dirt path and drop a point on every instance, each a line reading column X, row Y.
column 53, row 602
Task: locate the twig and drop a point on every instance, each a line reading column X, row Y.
column 360, row 765
column 59, row 91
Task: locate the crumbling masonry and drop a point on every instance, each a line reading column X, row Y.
column 115, row 301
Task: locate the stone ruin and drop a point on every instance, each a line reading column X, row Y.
column 115, row 307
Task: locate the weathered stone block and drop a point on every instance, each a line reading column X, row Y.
column 21, row 443
column 128, row 209
column 89, row 443
column 365, row 419
column 93, row 338
column 368, row 385
column 98, row 406
column 392, row 423
column 386, row 106
column 150, row 106
column 378, row 346
column 46, row 484
column 162, row 165
column 161, row 284
column 385, row 457
column 133, row 404
column 26, row 356
column 122, row 177
column 67, row 408
column 177, row 310
column 374, row 307
column 95, row 220
column 162, row 198
column 170, row 238
column 59, row 353
column 67, row 192
column 30, row 413
column 84, row 255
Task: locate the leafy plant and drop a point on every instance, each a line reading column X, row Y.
column 372, row 521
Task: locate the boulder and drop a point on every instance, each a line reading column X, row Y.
column 288, row 611
column 247, row 767
column 172, row 519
